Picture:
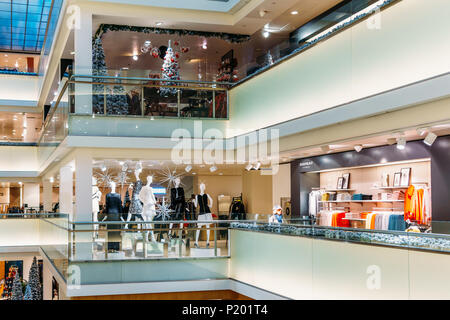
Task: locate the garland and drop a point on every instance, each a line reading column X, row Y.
column 233, row 38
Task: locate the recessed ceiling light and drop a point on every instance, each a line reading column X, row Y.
column 135, row 58
column 266, row 34
column 72, row 53
column 188, row 168
column 358, row 147
column 159, row 23
column 213, row 169
column 294, row 12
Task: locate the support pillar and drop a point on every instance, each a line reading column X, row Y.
column 83, row 61
column 47, row 195
column 66, row 191
column 83, row 207
column 31, row 193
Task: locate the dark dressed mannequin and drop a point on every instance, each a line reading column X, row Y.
column 237, row 211
column 113, row 212
column 202, row 200
column 178, row 202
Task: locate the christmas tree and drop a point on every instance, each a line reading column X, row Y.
column 116, row 99
column 28, row 295
column 34, row 282
column 170, row 71
column 17, row 293
column 9, row 282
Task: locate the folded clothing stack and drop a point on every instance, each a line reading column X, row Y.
column 360, row 196
column 398, row 195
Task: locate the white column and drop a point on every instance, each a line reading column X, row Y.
column 83, row 206
column 66, row 191
column 31, row 195
column 83, row 61
column 47, row 281
column 47, row 194
column 21, row 195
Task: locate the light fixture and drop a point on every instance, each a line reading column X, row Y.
column 188, row 168
column 121, row 163
column 213, row 169
column 358, row 147
column 103, row 168
column 325, row 149
column 422, row 131
column 295, row 12
column 73, row 169
column 401, row 143
column 249, row 167
column 266, row 34
column 20, row 183
column 257, row 166
column 52, row 179
column 193, row 173
column 159, row 23
column 430, row 139
column 135, row 58
column 205, row 45
column 72, row 53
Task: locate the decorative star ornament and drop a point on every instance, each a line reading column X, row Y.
column 104, row 178
column 164, row 210
column 166, row 176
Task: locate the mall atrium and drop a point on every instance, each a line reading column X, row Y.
column 224, row 149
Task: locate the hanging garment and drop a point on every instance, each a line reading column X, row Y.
column 237, row 211
column 202, row 201
column 314, row 198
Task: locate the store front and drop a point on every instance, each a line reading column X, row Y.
column 380, row 188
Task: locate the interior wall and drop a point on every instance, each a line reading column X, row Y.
column 4, row 195
column 219, row 185
column 366, row 180
column 257, row 192
column 281, row 184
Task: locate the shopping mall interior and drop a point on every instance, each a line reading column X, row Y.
column 224, row 149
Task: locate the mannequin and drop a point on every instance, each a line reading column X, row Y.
column 135, row 210
column 96, row 196
column 177, row 202
column 148, row 199
column 204, row 203
column 113, row 211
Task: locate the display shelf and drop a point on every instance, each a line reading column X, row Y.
column 346, row 201
column 338, row 190
column 390, row 188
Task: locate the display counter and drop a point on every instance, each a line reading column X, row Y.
column 406, row 240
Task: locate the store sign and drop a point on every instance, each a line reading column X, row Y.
column 307, row 165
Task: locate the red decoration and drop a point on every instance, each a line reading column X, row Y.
column 176, row 43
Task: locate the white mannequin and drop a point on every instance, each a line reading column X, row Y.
column 96, row 196
column 176, row 183
column 203, row 217
column 148, row 199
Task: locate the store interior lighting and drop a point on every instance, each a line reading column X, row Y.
column 401, row 143
column 188, row 168
column 213, row 169
column 358, row 147
column 430, row 139
column 249, row 167
column 257, row 166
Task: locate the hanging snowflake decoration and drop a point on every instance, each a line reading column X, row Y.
column 167, row 176
column 104, row 178
column 122, row 178
column 163, row 211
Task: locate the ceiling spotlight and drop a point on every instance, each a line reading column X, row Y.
column 325, row 149
column 188, row 168
column 52, row 179
column 205, row 45
column 73, row 169
column 121, row 163
column 213, row 169
column 266, row 34
column 72, row 53
column 135, row 58
column 20, row 183
column 257, row 166
column 159, row 23
column 401, row 143
column 358, row 148
column 422, row 131
column 295, row 12
column 430, row 139
column 249, row 167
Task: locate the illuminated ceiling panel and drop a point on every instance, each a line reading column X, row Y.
column 23, row 24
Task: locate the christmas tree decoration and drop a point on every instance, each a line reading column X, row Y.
column 155, row 53
column 33, row 281
column 169, row 71
column 17, row 293
column 9, row 282
column 184, row 50
column 28, row 295
column 116, row 99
